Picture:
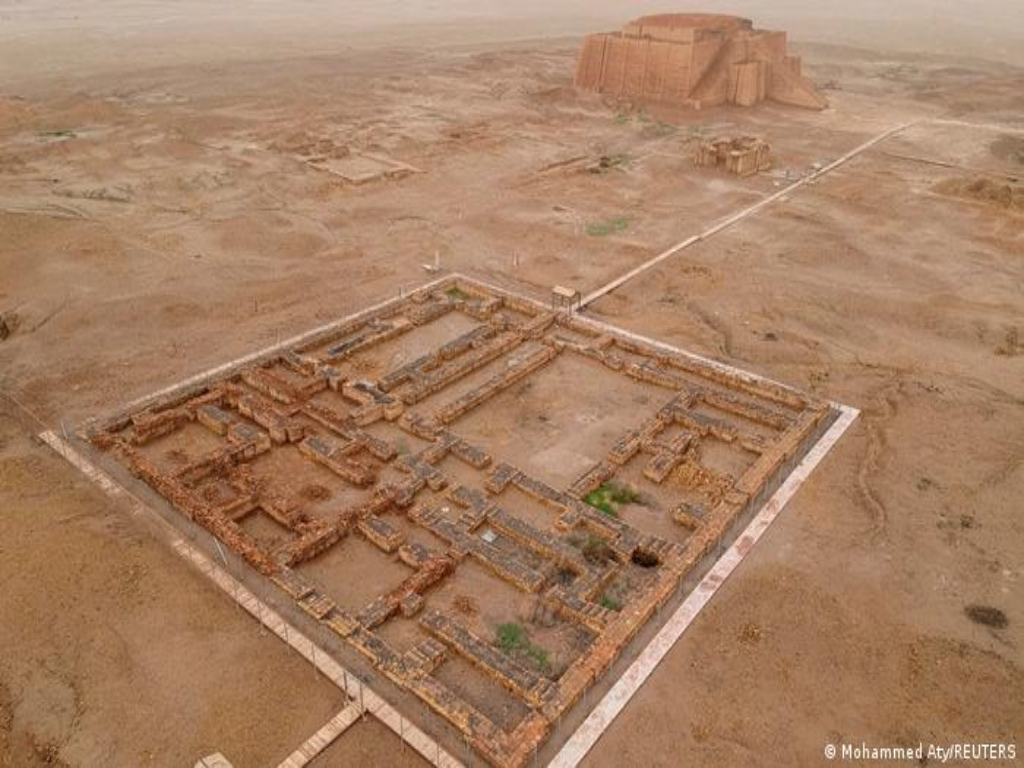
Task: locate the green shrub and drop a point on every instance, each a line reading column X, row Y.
column 513, row 639
column 610, row 496
column 600, row 499
column 610, row 603
column 456, row 294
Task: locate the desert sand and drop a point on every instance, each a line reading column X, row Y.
column 160, row 214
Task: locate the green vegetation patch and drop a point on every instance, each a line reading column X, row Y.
column 514, row 640
column 610, row 496
column 610, row 603
column 457, row 294
column 608, row 226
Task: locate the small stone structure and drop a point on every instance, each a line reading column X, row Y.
column 248, row 455
column 743, row 156
column 695, row 60
column 563, row 298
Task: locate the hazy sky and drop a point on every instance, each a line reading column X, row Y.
column 43, row 39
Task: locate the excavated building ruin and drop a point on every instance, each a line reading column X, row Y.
column 741, row 155
column 360, row 471
column 695, row 60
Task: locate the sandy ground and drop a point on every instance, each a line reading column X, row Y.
column 156, row 219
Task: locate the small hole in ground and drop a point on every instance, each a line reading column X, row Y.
column 645, row 559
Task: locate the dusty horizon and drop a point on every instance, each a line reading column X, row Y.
column 41, row 42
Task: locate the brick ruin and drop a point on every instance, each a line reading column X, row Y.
column 398, row 482
column 695, row 60
column 742, row 155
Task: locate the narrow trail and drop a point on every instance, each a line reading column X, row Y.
column 877, row 420
column 740, row 215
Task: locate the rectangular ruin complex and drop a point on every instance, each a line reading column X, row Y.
column 485, row 498
column 695, row 60
column 742, row 155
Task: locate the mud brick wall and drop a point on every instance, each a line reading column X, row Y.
column 668, row 458
column 760, row 414
column 272, row 386
column 381, row 533
column 424, row 657
column 461, row 366
column 743, row 156
column 485, row 308
column 427, row 312
column 494, row 385
column 495, row 664
column 688, row 515
column 427, row 575
column 592, row 479
column 581, row 610
column 499, row 479
column 554, row 547
column 376, row 332
column 502, row 564
column 218, row 462
column 308, row 545
column 432, row 359
column 333, row 418
column 282, row 428
column 334, row 457
column 150, row 424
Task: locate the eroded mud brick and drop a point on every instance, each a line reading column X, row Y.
column 413, row 554
column 591, row 480
column 332, row 455
column 494, row 663
column 317, row 605
column 215, row 419
column 425, row 313
column 381, row 533
column 688, row 515
column 470, row 454
column 147, row 427
column 410, row 605
column 499, row 479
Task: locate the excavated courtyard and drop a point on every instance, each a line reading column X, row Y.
column 485, row 498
